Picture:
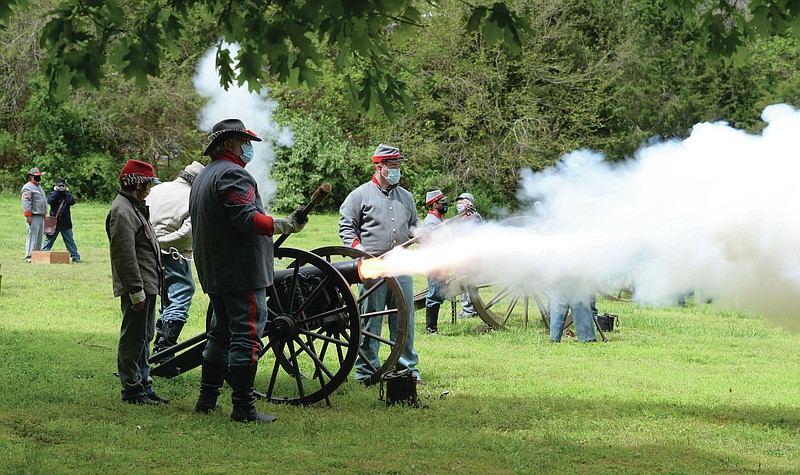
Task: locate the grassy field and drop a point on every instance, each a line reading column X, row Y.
column 675, row 390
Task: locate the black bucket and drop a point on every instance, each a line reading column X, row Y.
column 608, row 321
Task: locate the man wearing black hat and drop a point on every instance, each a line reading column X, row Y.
column 233, row 255
column 34, row 207
column 61, row 200
column 375, row 218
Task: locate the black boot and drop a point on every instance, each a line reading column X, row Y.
column 210, row 381
column 170, row 331
column 243, row 399
column 432, row 320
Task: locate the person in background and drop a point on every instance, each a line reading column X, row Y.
column 34, row 207
column 465, row 207
column 566, row 294
column 233, row 254
column 61, row 200
column 169, row 213
column 436, row 202
column 137, row 277
column 375, row 218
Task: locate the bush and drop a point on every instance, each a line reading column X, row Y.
column 320, row 154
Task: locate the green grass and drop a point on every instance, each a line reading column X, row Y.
column 675, row 390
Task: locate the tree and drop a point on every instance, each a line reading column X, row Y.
column 282, row 39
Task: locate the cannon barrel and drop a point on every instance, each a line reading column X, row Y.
column 349, row 270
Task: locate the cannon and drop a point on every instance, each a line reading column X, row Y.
column 313, row 330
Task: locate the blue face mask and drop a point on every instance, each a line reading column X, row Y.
column 393, row 177
column 247, row 152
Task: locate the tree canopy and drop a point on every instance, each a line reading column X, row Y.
column 473, row 93
column 285, row 40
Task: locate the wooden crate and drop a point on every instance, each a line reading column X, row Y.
column 50, row 257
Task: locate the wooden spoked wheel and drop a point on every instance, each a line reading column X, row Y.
column 390, row 349
column 505, row 304
column 312, row 332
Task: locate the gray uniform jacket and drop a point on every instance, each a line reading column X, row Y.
column 377, row 218
column 227, row 255
column 431, row 221
column 34, row 199
column 135, row 254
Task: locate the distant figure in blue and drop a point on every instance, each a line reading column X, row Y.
column 61, row 199
column 566, row 294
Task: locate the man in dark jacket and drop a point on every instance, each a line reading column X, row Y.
column 60, row 200
column 136, row 273
column 233, row 255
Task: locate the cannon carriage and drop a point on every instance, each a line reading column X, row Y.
column 313, row 330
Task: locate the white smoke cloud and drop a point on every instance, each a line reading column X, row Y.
column 255, row 109
column 716, row 212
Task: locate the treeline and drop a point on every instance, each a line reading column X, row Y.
column 594, row 74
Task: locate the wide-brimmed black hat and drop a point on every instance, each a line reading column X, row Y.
column 225, row 129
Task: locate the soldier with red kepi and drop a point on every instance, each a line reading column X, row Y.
column 233, row 255
column 377, row 217
column 436, row 202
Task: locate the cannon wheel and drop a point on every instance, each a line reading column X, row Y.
column 390, row 350
column 312, row 331
column 501, row 305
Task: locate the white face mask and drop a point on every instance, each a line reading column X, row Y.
column 393, row 176
column 460, row 208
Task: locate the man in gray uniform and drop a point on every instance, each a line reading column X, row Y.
column 34, row 207
column 233, row 254
column 375, row 218
column 436, row 202
column 465, row 207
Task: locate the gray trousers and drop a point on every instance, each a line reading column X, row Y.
column 133, row 351
column 35, row 235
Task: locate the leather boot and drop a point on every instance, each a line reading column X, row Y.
column 432, row 319
column 210, row 382
column 243, row 398
column 170, row 331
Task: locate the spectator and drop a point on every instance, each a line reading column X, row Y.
column 169, row 213
column 375, row 218
column 136, row 273
column 436, row 202
column 232, row 240
column 61, row 200
column 465, row 207
column 34, row 207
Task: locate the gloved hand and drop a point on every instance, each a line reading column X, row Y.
column 294, row 223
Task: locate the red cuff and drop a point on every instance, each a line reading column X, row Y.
column 356, row 242
column 27, row 213
column 263, row 225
